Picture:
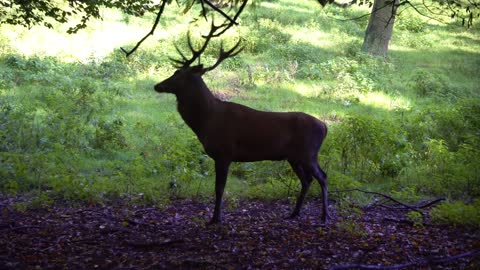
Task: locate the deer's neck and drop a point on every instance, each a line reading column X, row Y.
column 195, row 105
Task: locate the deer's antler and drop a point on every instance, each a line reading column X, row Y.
column 225, row 54
column 186, row 62
column 215, row 31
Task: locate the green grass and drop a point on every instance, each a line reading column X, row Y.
column 80, row 121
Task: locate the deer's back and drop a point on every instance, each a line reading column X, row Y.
column 241, row 133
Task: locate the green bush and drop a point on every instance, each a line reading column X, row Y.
column 108, row 135
column 447, row 173
column 366, row 148
column 427, row 84
column 353, row 76
column 458, row 213
column 455, row 124
column 265, row 36
column 349, row 216
column 410, row 23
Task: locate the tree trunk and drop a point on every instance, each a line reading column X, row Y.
column 380, row 27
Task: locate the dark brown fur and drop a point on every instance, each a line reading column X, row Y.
column 231, row 132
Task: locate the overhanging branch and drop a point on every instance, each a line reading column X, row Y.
column 344, row 5
column 233, row 21
column 359, row 17
column 157, row 20
column 456, row 8
column 408, row 3
column 212, row 6
column 230, row 21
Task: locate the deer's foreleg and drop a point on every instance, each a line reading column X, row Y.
column 221, row 171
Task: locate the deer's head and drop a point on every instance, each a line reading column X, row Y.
column 182, row 79
column 187, row 76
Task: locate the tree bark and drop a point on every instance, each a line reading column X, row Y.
column 380, row 27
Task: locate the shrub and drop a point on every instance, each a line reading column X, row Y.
column 362, row 145
column 410, row 23
column 416, row 218
column 458, row 213
column 454, row 124
column 349, row 216
column 449, row 173
column 108, row 135
column 427, row 84
column 265, row 36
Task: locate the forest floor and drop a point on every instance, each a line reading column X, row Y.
column 254, row 235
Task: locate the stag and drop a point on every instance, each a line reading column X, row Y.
column 230, row 132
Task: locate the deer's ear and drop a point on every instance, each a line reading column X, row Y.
column 198, row 69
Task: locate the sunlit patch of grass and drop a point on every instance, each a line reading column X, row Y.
column 82, row 46
column 384, row 101
column 312, row 36
column 97, row 41
column 306, row 88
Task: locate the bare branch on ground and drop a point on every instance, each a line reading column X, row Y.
column 426, row 261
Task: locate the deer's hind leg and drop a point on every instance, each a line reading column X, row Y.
column 305, row 176
column 321, row 176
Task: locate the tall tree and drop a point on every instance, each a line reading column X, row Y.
column 382, row 17
column 380, row 27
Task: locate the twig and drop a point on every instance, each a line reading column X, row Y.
column 431, row 203
column 359, row 17
column 232, row 21
column 159, row 14
column 144, row 210
column 431, row 10
column 418, row 206
column 344, row 5
column 151, row 244
column 393, row 12
column 22, row 228
column 406, row 221
column 378, row 9
column 418, row 11
column 89, row 241
column 352, row 19
column 204, row 11
column 459, row 256
column 415, row 208
column 405, row 265
column 189, row 264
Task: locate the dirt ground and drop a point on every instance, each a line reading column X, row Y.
column 254, row 235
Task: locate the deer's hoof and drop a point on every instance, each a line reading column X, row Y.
column 214, row 221
column 325, row 220
column 292, row 216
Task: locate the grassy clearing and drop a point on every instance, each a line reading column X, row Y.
column 81, row 122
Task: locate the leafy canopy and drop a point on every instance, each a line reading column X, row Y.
column 29, row 13
column 44, row 12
